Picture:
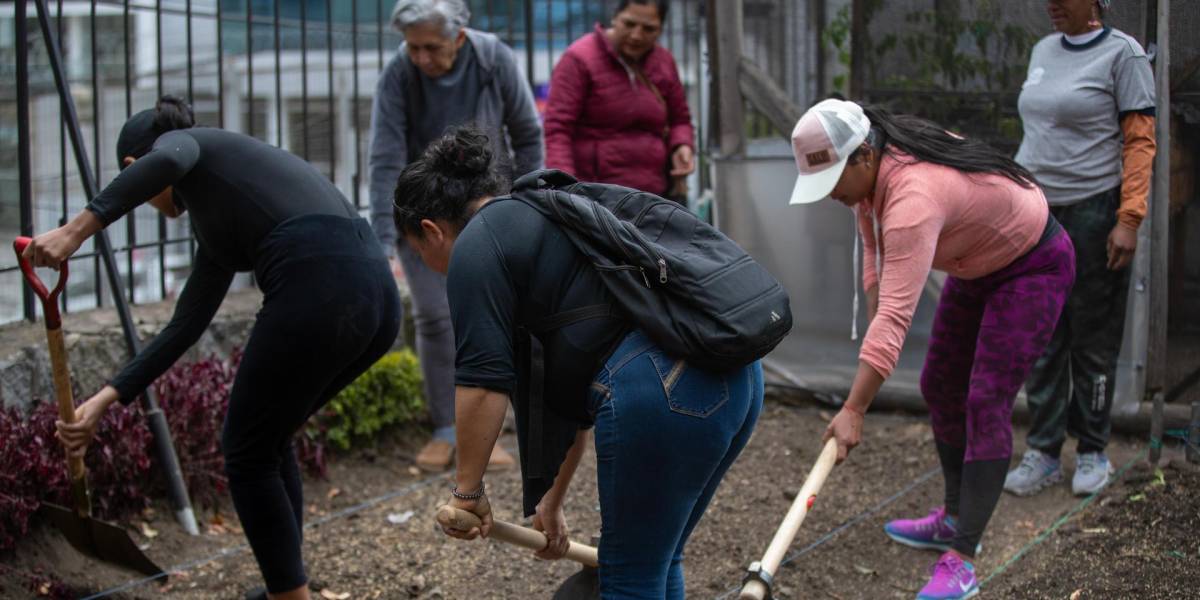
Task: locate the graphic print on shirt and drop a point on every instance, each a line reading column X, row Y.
column 1035, row 77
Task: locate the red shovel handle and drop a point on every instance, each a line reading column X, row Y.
column 49, row 297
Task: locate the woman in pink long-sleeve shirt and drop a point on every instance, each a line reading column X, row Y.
column 928, row 199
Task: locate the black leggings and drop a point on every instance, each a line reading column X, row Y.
column 330, row 310
column 982, row 481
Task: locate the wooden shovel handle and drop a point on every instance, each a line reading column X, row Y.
column 448, row 516
column 755, row 590
column 58, row 363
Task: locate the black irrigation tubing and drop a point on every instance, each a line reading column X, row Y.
column 225, row 552
column 844, row 526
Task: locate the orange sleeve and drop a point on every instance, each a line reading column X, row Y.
column 1137, row 164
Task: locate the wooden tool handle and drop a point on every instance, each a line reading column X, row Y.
column 62, row 391
column 448, row 516
column 58, row 365
column 755, row 590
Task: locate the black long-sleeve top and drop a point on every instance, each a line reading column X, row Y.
column 237, row 190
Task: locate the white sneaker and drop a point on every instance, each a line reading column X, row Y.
column 1036, row 472
column 1092, row 473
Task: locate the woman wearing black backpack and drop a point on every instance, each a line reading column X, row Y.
column 666, row 432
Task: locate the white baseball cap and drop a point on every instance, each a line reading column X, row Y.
column 822, row 141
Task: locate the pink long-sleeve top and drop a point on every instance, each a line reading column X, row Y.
column 931, row 216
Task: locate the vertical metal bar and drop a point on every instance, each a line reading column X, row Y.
column 278, row 82
column 249, row 70
column 128, row 66
column 62, row 147
column 130, row 235
column 158, row 58
column 159, row 217
column 165, row 450
column 529, row 41
column 549, row 36
column 329, row 99
column 96, row 129
column 511, row 36
column 357, row 141
column 1160, row 229
column 379, row 28
column 304, row 77
column 191, row 91
column 220, row 67
column 25, row 174
column 570, row 22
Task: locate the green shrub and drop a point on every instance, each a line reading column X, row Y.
column 387, row 394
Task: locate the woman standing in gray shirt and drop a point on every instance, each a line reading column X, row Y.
column 1088, row 112
column 444, row 75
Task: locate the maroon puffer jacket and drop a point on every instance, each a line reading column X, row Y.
column 602, row 124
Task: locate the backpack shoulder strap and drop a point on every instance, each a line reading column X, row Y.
column 575, row 315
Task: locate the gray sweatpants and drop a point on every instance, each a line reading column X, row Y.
column 435, row 335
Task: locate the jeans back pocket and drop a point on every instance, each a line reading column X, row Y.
column 689, row 390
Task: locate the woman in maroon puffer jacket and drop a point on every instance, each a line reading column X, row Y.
column 617, row 112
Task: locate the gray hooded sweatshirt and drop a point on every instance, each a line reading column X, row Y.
column 503, row 108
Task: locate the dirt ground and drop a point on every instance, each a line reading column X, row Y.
column 372, row 534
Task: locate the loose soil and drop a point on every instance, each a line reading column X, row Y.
column 390, row 548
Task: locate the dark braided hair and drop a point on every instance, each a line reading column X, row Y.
column 454, row 172
column 927, row 141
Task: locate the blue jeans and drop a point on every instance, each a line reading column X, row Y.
column 666, row 433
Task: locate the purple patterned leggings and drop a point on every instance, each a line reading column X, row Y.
column 987, row 334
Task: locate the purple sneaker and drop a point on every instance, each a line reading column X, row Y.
column 953, row 579
column 934, row 532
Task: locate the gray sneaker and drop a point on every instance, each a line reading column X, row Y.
column 1092, row 473
column 1036, row 472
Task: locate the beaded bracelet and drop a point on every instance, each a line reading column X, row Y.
column 858, row 411
column 472, row 496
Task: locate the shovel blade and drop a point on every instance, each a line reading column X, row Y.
column 72, row 526
column 100, row 540
column 584, row 585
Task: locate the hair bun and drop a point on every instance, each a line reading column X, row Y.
column 464, row 153
column 171, row 113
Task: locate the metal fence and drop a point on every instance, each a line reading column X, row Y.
column 299, row 74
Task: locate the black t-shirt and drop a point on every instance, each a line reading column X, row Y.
column 236, row 189
column 512, row 267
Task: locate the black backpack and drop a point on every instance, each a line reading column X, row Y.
column 692, row 290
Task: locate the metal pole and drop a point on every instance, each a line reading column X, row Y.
column 250, row 71
column 155, row 418
column 726, row 55
column 529, row 42
column 329, row 99
column 1160, row 226
column 356, row 178
column 1193, row 438
column 23, row 157
column 304, row 78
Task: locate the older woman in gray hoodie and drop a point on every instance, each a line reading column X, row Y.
column 444, row 75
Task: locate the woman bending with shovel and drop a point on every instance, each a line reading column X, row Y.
column 330, row 306
column 665, row 431
column 928, row 199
